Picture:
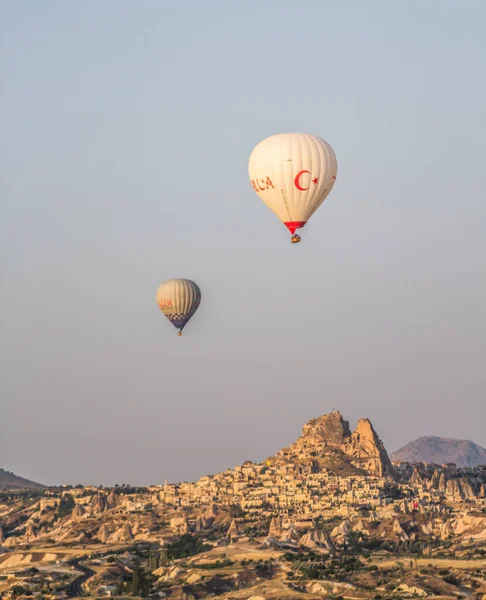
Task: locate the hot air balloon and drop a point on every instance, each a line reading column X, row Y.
column 293, row 174
column 178, row 299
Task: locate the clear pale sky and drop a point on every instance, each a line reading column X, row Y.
column 126, row 128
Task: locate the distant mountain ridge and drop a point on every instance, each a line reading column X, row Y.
column 10, row 481
column 439, row 450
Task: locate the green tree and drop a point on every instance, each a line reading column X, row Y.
column 152, row 563
column 136, row 582
column 185, row 546
column 163, row 559
column 66, row 505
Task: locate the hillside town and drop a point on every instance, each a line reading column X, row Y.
column 286, row 527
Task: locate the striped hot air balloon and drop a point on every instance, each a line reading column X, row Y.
column 293, row 174
column 178, row 299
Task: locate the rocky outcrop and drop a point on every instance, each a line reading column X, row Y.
column 78, row 511
column 373, row 518
column 434, row 480
column 329, row 429
column 442, row 483
column 97, row 505
column 275, row 529
column 104, row 534
column 11, row 542
column 317, row 538
column 467, row 489
column 111, row 500
column 71, row 536
column 29, row 532
column 398, row 530
column 341, row 531
column 184, row 528
column 460, row 489
column 327, row 442
column 123, row 534
column 416, row 479
column 233, row 532
column 368, row 451
column 201, row 523
column 454, row 489
column 211, row 513
column 360, row 527
column 470, row 526
column 446, row 530
column 427, row 528
column 180, row 525
column 1, row 535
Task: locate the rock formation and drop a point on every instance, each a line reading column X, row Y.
column 341, row 531
column 416, row 479
column 97, row 505
column 180, row 525
column 103, row 534
column 275, row 529
column 460, row 488
column 211, row 513
column 434, row 481
column 367, row 450
column 360, row 527
column 329, row 429
column 123, row 534
column 201, row 523
column 467, row 489
column 78, row 511
column 184, row 527
column 317, row 538
column 11, row 542
column 29, row 532
column 470, row 526
column 398, row 530
column 327, row 442
column 446, row 530
column 111, row 500
column 233, row 532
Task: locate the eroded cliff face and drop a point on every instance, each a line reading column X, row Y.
column 367, row 450
column 329, row 429
column 330, row 437
column 447, row 482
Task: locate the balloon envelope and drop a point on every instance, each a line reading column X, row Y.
column 178, row 299
column 293, row 174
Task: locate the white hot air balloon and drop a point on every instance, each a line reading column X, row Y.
column 178, row 299
column 293, row 174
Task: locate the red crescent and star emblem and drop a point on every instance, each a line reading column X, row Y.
column 298, row 177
